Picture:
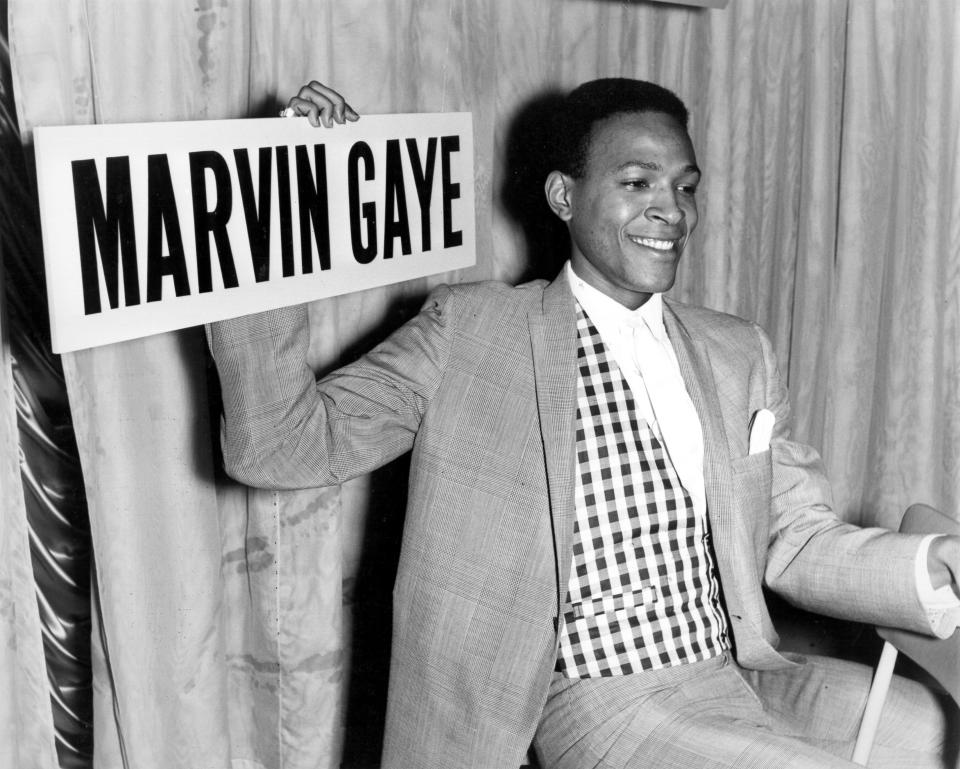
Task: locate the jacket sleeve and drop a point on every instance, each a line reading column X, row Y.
column 282, row 429
column 815, row 560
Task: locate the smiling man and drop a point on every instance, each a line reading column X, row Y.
column 630, row 204
column 602, row 481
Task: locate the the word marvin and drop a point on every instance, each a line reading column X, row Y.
column 108, row 219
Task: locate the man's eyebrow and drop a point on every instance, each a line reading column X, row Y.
column 651, row 166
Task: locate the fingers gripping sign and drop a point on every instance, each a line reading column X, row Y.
column 320, row 104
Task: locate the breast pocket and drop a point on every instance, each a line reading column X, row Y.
column 752, row 477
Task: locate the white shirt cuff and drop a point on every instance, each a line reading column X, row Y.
column 941, row 604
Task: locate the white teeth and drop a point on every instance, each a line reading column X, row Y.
column 659, row 245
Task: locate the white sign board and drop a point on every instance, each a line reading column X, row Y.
column 157, row 226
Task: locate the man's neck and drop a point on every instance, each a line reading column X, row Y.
column 595, row 301
column 630, row 300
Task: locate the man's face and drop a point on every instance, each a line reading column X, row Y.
column 633, row 208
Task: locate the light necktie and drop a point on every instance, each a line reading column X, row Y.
column 675, row 413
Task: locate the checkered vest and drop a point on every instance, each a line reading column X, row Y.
column 643, row 590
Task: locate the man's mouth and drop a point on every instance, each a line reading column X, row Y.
column 655, row 243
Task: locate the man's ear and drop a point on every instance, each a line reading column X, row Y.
column 557, row 188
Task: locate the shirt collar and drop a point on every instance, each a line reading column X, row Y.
column 602, row 309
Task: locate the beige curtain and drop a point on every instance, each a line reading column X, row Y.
column 891, row 417
column 828, row 132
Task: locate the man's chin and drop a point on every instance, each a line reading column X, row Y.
column 655, row 284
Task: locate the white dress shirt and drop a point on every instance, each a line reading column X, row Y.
column 666, row 406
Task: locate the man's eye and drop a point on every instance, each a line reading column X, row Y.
column 635, row 183
column 689, row 189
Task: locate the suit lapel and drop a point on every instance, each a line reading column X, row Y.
column 697, row 371
column 553, row 330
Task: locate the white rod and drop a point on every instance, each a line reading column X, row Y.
column 874, row 707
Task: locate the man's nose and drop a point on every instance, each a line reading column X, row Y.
column 663, row 208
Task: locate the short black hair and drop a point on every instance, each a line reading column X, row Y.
column 596, row 100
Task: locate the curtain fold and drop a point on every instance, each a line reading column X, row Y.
column 247, row 629
column 158, row 546
column 26, row 720
column 45, row 707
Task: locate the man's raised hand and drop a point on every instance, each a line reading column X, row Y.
column 320, row 104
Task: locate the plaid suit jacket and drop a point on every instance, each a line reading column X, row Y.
column 481, row 386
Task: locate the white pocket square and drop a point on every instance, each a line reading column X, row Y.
column 761, row 430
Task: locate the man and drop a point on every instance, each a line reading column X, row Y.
column 600, row 482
